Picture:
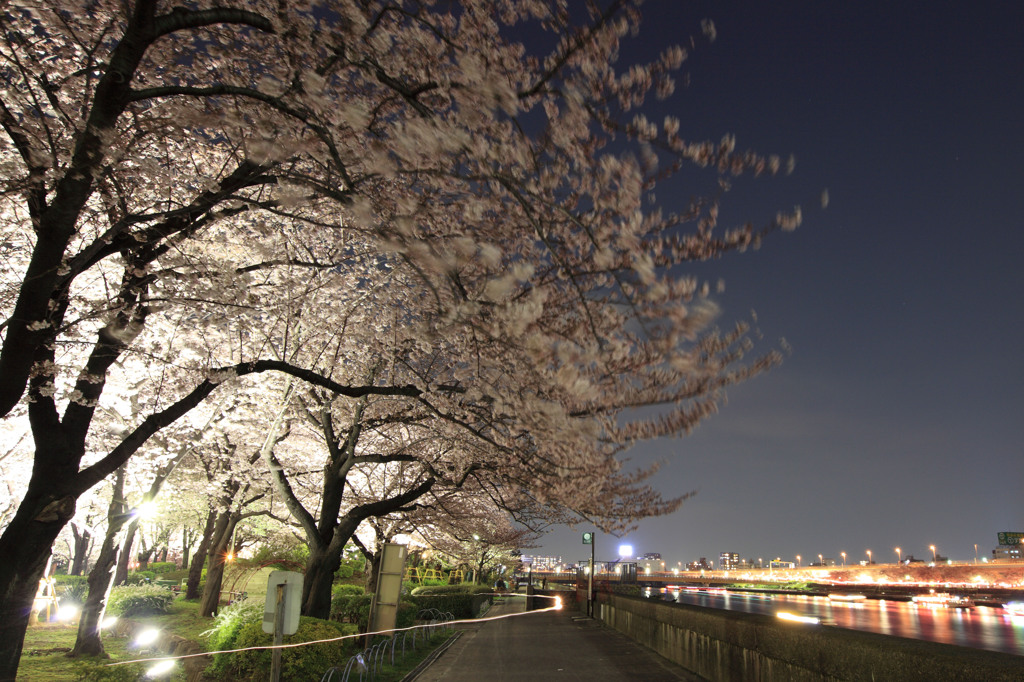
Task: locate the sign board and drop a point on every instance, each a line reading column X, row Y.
column 292, row 582
column 588, row 538
column 389, row 587
column 1010, row 538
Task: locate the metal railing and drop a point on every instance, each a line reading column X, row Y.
column 370, row 661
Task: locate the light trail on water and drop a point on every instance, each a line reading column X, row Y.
column 981, row 627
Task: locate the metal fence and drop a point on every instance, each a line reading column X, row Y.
column 369, row 662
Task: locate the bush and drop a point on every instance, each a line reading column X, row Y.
column 72, row 588
column 347, row 589
column 226, row 625
column 460, row 605
column 355, row 609
column 139, row 600
column 462, row 601
column 461, row 588
column 140, row 577
column 159, row 567
column 299, row 663
column 351, row 608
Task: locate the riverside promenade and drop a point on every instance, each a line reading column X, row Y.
column 549, row 645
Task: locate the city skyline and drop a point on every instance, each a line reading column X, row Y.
column 895, row 418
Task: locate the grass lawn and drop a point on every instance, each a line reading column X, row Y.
column 43, row 658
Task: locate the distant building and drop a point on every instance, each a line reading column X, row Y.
column 701, row 565
column 650, row 556
column 542, row 563
column 729, row 561
column 779, row 563
column 1007, row 552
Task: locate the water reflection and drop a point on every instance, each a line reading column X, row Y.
column 981, row 627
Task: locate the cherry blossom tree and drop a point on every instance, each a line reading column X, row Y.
column 167, row 170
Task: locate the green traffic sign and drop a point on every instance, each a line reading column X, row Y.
column 1010, row 538
column 588, row 538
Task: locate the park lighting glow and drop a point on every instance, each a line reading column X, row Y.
column 786, row 615
column 67, row 612
column 625, row 550
column 161, row 668
column 147, row 637
column 108, row 622
column 145, row 510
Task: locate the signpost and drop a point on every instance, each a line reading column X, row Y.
column 588, row 539
column 281, row 612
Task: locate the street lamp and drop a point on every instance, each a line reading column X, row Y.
column 932, row 548
column 899, row 556
column 798, row 561
column 843, row 554
column 869, row 557
column 821, row 562
column 975, row 552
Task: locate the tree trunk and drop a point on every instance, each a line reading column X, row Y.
column 195, row 572
column 372, row 569
column 83, row 542
column 145, row 553
column 88, row 642
column 121, row 576
column 321, row 566
column 188, row 538
column 25, row 547
column 215, row 571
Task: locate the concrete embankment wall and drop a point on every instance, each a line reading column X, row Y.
column 728, row 645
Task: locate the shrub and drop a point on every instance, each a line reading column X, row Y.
column 347, row 589
column 159, row 567
column 227, row 624
column 230, row 618
column 460, row 605
column 140, row 577
column 72, row 588
column 299, row 663
column 355, row 609
column 351, row 608
column 139, row 600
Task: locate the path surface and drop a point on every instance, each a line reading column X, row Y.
column 550, row 645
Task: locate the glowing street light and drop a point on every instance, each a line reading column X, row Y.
column 869, row 557
column 821, row 562
column 798, row 561
column 843, row 554
column 899, row 556
column 932, row 548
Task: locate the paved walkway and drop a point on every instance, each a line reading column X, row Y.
column 551, row 645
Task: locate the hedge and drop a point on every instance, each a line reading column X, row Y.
column 298, row 663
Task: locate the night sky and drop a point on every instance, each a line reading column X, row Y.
column 898, row 419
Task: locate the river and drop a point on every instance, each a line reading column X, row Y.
column 981, row 627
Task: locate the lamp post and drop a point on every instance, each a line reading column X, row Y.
column 899, row 556
column 869, row 557
column 821, row 561
column 843, row 554
column 798, row 561
column 975, row 552
column 932, row 548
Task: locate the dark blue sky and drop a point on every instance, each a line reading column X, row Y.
column 898, row 420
